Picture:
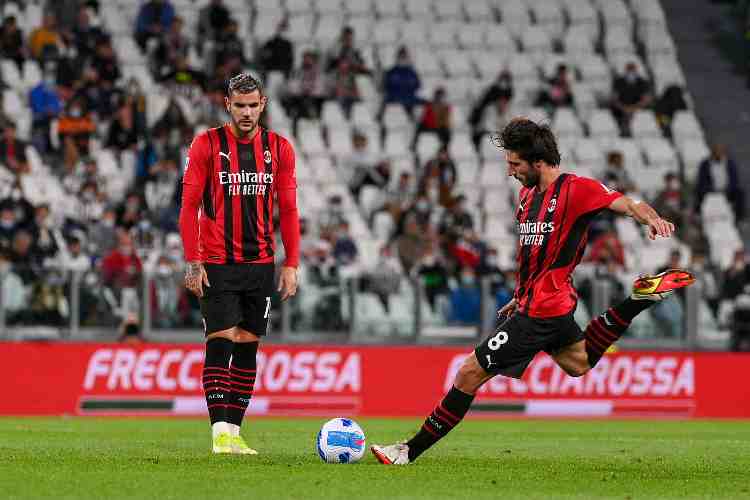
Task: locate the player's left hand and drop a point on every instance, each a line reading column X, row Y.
column 288, row 282
column 660, row 227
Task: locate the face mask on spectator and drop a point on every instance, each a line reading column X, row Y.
column 429, row 260
column 164, row 270
column 467, row 279
column 423, row 205
column 75, row 112
column 492, row 261
column 108, row 222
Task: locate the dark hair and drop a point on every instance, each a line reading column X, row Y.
column 530, row 141
column 243, row 83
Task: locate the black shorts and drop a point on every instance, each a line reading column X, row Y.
column 239, row 295
column 519, row 338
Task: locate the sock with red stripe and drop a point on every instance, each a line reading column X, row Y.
column 216, row 382
column 443, row 418
column 242, row 373
column 606, row 329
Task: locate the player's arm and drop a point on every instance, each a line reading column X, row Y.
column 286, row 189
column 644, row 214
column 193, row 183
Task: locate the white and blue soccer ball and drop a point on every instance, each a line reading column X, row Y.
column 341, row 441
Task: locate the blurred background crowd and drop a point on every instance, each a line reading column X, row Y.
column 391, row 107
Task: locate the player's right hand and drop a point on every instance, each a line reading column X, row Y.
column 507, row 309
column 195, row 278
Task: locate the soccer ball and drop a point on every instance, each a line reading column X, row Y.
column 341, row 441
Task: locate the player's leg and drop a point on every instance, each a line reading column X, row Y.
column 606, row 329
column 221, row 313
column 256, row 310
column 508, row 351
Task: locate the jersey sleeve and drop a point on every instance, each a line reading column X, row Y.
column 589, row 195
column 193, row 182
column 286, row 187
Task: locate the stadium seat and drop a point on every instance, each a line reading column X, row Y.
column 362, row 116
column 395, row 118
column 659, row 152
column 447, row 10
column 383, row 225
column 310, row 138
column 565, row 123
column 577, row 40
column 457, row 63
column 498, row 39
column 548, row 16
column 515, row 15
column 536, row 43
column 473, row 37
column 427, row 146
column 397, row 144
column 595, row 71
column 462, row 148
column 10, row 74
column 685, row 127
column 370, row 199
column 644, row 125
column 443, row 34
column 328, row 29
column 415, row 33
column 617, row 40
column 602, row 125
column 692, row 152
column 588, row 154
column 358, row 8
column 479, row 11
column 427, row 62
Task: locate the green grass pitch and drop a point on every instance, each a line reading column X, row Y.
column 169, row 458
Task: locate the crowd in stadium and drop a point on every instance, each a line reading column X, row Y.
column 90, row 176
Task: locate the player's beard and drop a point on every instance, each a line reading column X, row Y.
column 245, row 127
column 531, row 179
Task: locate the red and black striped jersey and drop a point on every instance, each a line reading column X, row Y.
column 234, row 181
column 553, row 230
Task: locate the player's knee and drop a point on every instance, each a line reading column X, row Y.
column 578, row 369
column 470, row 375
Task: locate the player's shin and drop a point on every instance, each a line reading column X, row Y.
column 606, row 329
column 446, row 415
column 216, row 382
column 242, row 374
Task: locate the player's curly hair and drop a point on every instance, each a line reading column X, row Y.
column 244, row 83
column 531, row 141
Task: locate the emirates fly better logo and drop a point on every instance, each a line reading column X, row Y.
column 246, row 183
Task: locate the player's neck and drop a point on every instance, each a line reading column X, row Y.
column 547, row 177
column 243, row 137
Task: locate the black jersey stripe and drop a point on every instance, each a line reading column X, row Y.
column 228, row 215
column 268, row 197
column 246, row 157
column 541, row 255
column 570, row 249
column 208, row 200
column 531, row 215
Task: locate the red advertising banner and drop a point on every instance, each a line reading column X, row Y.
column 158, row 379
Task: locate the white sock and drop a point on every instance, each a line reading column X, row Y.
column 220, row 428
column 234, row 430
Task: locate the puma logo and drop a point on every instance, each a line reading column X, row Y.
column 225, row 155
column 606, row 320
column 489, row 361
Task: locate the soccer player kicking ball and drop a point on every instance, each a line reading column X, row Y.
column 553, row 215
column 226, row 222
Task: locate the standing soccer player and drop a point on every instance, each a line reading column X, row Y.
column 231, row 176
column 553, row 215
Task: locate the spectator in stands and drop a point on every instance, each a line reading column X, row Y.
column 130, row 212
column 91, row 202
column 228, row 45
column 185, row 81
column 83, row 35
column 466, row 298
column 277, row 54
column 12, row 149
column 467, row 250
column 155, row 18
column 412, row 244
column 342, row 86
column 736, row 277
column 497, row 97
column 45, row 41
column 130, row 331
column 333, row 216
column 401, row 84
column 440, row 171
column 706, row 275
column 103, row 233
column 719, row 174
column 212, row 20
column 607, row 249
column 455, row 221
column 402, row 195
column 89, row 90
column 45, row 106
column 75, row 128
column 669, row 312
column 26, row 262
column 122, row 133
column 344, row 249
column 669, row 200
column 70, row 256
column 172, row 46
column 434, row 276
column 8, row 224
column 670, row 102
column 378, row 175
column 356, row 164
column 105, row 61
column 384, row 279
column 11, row 42
column 160, row 193
column 305, row 91
column 345, row 50
column 166, row 289
column 15, row 296
column 122, row 268
column 41, row 229
column 630, row 92
column 558, row 92
column 436, row 118
column 615, row 175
